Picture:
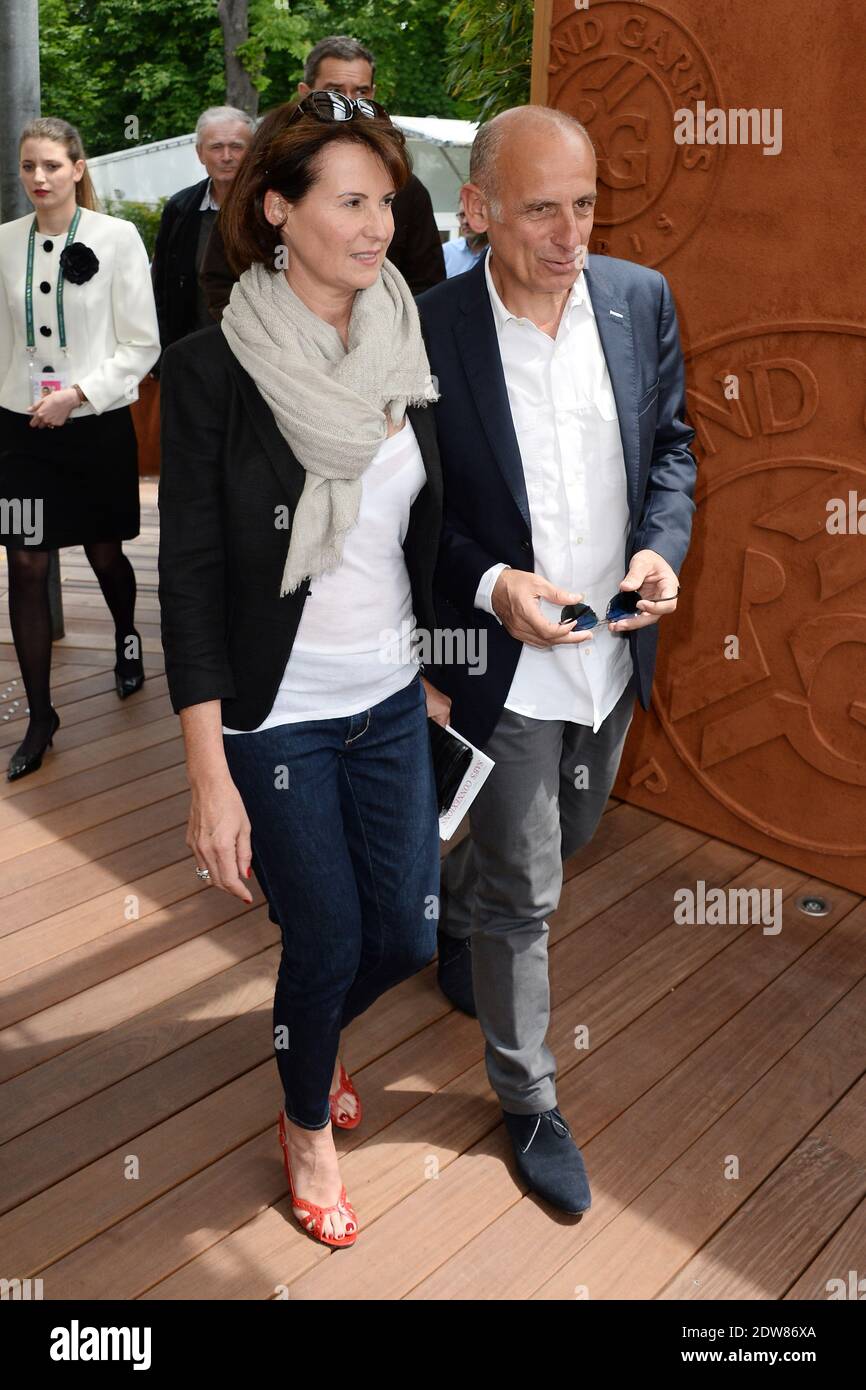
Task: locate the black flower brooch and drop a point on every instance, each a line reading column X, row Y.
column 78, row 263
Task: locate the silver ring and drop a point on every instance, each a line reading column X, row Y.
column 203, row 873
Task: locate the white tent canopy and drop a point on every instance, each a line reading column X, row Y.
column 146, row 173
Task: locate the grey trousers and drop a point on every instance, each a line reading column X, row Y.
column 542, row 801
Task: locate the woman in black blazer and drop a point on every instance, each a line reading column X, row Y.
column 300, row 503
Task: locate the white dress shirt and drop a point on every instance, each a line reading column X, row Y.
column 112, row 334
column 567, row 430
column 354, row 643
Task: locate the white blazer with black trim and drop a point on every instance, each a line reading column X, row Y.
column 112, row 333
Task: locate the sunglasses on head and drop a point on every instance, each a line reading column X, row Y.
column 326, row 105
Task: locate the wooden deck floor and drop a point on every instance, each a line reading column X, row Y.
column 720, row 1105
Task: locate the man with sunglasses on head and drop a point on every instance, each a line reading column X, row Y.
column 341, row 64
column 568, row 485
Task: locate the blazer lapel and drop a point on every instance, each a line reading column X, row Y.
column 478, row 344
column 422, row 420
column 613, row 319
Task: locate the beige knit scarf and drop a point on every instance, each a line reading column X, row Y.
column 329, row 402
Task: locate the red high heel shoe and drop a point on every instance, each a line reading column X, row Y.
column 315, row 1223
column 340, row 1117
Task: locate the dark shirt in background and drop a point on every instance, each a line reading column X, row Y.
column 180, row 243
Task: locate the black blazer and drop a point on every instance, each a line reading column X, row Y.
column 227, row 477
column 173, row 267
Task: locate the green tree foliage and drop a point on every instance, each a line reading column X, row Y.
column 104, row 61
column 146, row 217
column 491, row 54
column 161, row 61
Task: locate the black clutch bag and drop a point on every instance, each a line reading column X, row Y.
column 451, row 758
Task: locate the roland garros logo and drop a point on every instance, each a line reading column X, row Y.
column 624, row 70
column 764, row 675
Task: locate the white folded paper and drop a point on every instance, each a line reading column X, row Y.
column 476, row 775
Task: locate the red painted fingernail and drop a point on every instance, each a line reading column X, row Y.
column 249, row 870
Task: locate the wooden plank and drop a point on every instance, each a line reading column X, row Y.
column 543, row 11
column 651, row 1090
column 91, row 811
column 178, row 1159
column 71, row 1022
column 786, row 1222
column 142, row 732
column 378, row 1191
column 90, row 734
column 841, row 1259
column 42, row 799
column 673, row 1208
column 380, row 1037
column 160, row 1081
column 106, row 1059
column 101, row 890
column 98, row 959
column 76, row 706
column 82, row 852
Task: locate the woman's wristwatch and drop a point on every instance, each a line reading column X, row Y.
column 82, row 399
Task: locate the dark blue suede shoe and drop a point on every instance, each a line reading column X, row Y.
column 454, row 971
column 549, row 1160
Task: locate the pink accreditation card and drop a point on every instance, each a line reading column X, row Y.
column 43, row 381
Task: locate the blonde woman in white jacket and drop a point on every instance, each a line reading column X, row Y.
column 78, row 332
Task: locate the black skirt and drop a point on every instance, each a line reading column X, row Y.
column 70, row 485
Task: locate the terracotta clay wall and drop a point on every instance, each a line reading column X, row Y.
column 757, row 732
column 145, row 418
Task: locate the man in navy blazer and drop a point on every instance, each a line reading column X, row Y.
column 568, row 482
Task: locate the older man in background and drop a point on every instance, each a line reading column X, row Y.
column 223, row 136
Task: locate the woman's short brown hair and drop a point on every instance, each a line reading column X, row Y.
column 284, row 156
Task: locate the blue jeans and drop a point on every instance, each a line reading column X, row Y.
column 345, row 845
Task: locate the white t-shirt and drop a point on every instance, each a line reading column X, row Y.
column 353, row 644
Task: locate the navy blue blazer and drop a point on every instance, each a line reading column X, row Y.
column 486, row 513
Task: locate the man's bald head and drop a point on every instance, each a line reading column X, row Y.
column 523, row 128
column 533, row 190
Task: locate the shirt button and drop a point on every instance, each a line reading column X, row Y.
column 48, row 246
column 46, row 332
column 45, row 287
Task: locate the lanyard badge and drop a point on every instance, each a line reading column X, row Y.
column 44, row 380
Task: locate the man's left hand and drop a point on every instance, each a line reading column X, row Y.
column 659, row 587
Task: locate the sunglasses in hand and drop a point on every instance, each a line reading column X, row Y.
column 621, row 606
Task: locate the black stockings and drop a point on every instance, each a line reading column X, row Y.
column 30, row 618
